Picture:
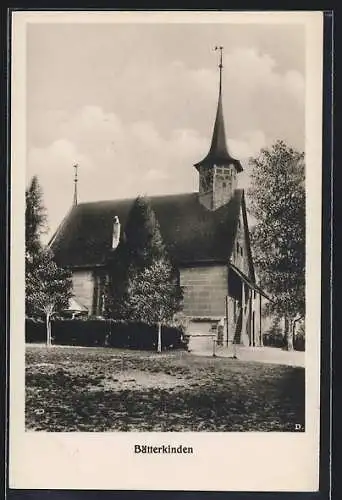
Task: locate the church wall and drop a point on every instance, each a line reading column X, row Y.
column 239, row 254
column 83, row 288
column 224, row 185
column 205, row 289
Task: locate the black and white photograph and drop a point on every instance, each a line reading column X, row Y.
column 170, row 177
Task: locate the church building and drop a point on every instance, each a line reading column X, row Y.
column 207, row 237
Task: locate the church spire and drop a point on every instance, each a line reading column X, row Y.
column 218, row 152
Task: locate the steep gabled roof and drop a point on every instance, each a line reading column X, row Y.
column 192, row 233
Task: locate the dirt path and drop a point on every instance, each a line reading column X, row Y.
column 271, row 355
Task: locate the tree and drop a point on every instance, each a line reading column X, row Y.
column 143, row 285
column 35, row 219
column 153, row 295
column 277, row 201
column 140, row 244
column 144, row 242
column 48, row 288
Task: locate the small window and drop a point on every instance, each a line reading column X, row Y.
column 241, row 251
column 224, row 184
column 237, row 247
column 254, row 294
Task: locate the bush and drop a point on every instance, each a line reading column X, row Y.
column 278, row 340
column 299, row 342
column 100, row 332
column 274, row 336
column 91, row 332
column 35, row 330
column 137, row 335
column 274, row 339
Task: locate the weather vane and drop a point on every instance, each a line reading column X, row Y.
column 220, row 48
column 75, row 183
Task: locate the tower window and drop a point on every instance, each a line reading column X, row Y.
column 241, row 249
column 237, row 247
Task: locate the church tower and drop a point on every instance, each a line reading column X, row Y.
column 218, row 170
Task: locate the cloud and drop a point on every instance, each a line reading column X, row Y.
column 257, row 94
column 253, row 69
column 294, row 82
column 155, row 174
column 57, row 157
column 249, row 145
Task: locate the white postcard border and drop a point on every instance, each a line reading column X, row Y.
column 221, row 461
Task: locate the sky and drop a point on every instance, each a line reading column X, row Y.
column 134, row 104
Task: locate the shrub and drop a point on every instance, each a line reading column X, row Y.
column 274, row 339
column 137, row 335
column 91, row 332
column 299, row 342
column 35, row 330
column 101, row 332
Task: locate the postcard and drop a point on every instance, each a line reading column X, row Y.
column 166, row 195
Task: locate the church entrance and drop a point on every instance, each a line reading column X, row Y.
column 202, row 334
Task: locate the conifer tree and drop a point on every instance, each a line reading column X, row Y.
column 144, row 243
column 35, row 219
column 147, row 289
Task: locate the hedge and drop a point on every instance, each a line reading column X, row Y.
column 278, row 340
column 97, row 332
column 299, row 342
column 35, row 331
column 274, row 340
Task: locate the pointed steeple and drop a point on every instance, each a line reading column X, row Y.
column 218, row 153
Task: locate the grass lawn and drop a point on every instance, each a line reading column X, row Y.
column 103, row 389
